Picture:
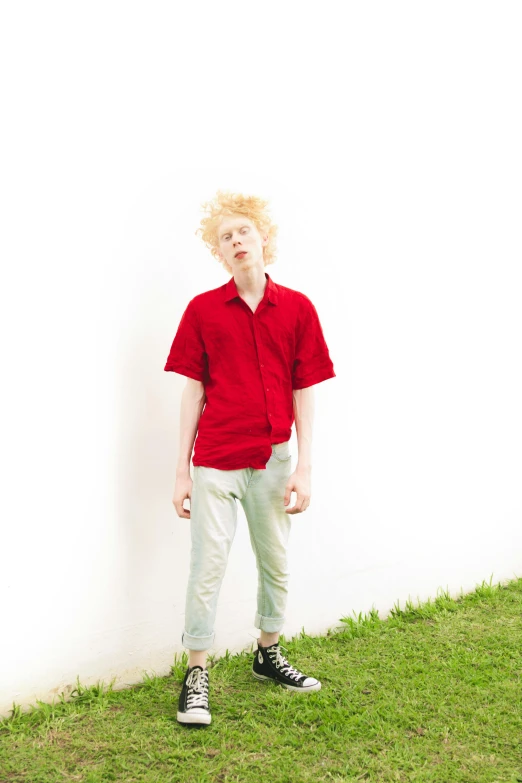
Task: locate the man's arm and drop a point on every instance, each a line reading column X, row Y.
column 300, row 481
column 192, row 403
column 304, row 420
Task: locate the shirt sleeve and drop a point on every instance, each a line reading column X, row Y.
column 187, row 355
column 312, row 363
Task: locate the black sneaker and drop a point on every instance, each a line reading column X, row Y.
column 193, row 700
column 269, row 664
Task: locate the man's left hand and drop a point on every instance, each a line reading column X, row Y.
column 299, row 483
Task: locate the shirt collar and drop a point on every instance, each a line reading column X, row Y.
column 270, row 291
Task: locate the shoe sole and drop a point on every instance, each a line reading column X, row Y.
column 187, row 717
column 296, row 688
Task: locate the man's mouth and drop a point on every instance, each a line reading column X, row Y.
column 240, row 253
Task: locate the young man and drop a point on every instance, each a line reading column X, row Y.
column 251, row 351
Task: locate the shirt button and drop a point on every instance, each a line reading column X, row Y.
column 262, row 365
column 268, row 389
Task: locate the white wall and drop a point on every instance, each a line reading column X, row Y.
column 389, row 147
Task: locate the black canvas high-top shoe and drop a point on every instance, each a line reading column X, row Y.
column 193, row 700
column 269, row 664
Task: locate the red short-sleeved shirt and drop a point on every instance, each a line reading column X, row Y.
column 249, row 364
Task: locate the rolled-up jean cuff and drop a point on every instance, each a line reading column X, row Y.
column 197, row 642
column 269, row 624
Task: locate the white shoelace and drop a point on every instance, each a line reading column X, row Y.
column 197, row 684
column 282, row 663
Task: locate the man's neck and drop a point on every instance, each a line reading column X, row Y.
column 251, row 283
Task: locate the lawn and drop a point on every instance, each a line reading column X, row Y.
column 431, row 693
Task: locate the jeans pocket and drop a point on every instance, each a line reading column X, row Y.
column 281, row 451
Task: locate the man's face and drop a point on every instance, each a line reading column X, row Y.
column 240, row 243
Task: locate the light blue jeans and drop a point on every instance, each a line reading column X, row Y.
column 213, row 520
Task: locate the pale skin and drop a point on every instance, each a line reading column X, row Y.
column 235, row 234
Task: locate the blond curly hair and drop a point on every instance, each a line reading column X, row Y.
column 227, row 204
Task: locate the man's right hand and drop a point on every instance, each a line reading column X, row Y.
column 182, row 490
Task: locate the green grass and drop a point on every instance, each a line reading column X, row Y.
column 431, row 693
